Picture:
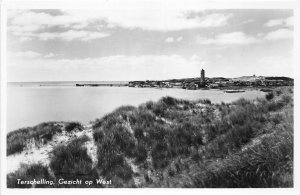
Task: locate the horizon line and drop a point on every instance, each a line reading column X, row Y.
column 141, row 80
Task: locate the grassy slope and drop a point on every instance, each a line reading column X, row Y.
column 178, row 143
column 18, row 140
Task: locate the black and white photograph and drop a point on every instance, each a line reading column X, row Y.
column 148, row 94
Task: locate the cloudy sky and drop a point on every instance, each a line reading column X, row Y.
column 139, row 44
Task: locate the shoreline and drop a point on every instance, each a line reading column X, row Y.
column 261, row 88
column 217, row 96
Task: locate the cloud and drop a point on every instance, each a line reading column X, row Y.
column 179, row 39
column 233, row 38
column 279, row 34
column 284, row 22
column 72, row 35
column 28, row 24
column 169, row 40
column 173, row 39
column 213, row 20
column 240, row 38
column 42, row 20
column 247, row 21
column 24, row 55
column 49, row 55
column 29, row 55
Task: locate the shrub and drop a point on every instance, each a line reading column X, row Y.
column 169, row 101
column 241, row 102
column 278, row 92
column 142, row 118
column 268, row 164
column 286, row 99
column 157, row 132
column 15, row 146
column 124, row 140
column 149, row 105
column 29, row 173
column 160, row 108
column 160, row 155
column 269, row 96
column 17, row 140
column 73, row 126
column 140, row 153
column 71, row 161
column 273, row 106
column 205, row 101
column 185, row 135
column 139, row 133
column 111, row 162
column 98, row 135
column 80, row 140
column 108, row 155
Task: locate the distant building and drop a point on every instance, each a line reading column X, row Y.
column 202, row 79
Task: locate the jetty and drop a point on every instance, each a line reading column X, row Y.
column 102, row 85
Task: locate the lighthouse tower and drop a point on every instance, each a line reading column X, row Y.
column 202, row 78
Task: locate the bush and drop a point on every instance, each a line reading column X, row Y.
column 29, row 173
column 274, row 106
column 160, row 108
column 160, row 155
column 140, row 153
column 149, row 105
column 269, row 96
column 71, row 161
column 205, row 101
column 15, row 146
column 183, row 137
column 268, row 164
column 98, row 135
column 139, row 133
column 73, row 126
column 40, row 134
column 111, row 162
column 169, row 101
column 124, row 140
column 278, row 92
column 108, row 155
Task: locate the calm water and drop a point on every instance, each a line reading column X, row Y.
column 28, row 106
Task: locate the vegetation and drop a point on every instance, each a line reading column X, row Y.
column 68, row 162
column 179, row 143
column 71, row 161
column 40, row 134
column 29, row 172
column 71, row 126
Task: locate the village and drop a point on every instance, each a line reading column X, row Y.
column 203, row 82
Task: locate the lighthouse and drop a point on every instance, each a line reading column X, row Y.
column 202, row 77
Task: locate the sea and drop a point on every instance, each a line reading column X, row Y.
column 31, row 103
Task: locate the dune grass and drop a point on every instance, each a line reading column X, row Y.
column 173, row 129
column 28, row 173
column 71, row 126
column 179, row 143
column 41, row 134
column 68, row 162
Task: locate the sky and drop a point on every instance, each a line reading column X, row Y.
column 119, row 44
